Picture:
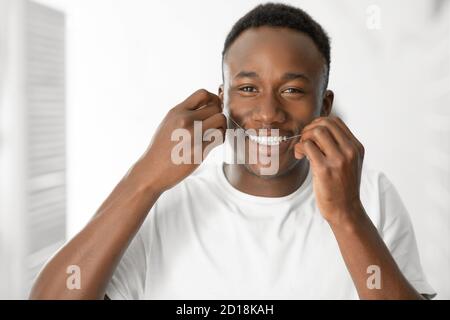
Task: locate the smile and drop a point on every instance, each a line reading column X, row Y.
column 268, row 140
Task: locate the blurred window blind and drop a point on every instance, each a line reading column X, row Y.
column 46, row 136
column 32, row 142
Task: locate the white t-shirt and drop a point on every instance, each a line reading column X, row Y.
column 204, row 239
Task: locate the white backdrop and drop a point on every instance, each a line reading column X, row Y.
column 129, row 61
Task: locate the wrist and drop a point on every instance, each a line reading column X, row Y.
column 145, row 180
column 348, row 219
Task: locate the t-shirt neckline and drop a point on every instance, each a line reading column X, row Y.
column 230, row 189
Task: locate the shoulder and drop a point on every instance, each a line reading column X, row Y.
column 380, row 198
column 204, row 178
column 374, row 181
column 188, row 196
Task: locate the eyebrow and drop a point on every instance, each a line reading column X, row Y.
column 294, row 76
column 246, row 74
column 286, row 76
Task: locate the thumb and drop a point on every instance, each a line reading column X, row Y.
column 299, row 152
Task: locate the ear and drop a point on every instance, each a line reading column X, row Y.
column 327, row 103
column 220, row 92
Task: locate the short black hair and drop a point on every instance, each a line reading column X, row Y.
column 282, row 15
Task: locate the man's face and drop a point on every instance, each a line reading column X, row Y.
column 274, row 78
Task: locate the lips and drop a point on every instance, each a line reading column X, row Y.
column 268, row 140
column 268, row 137
column 267, row 143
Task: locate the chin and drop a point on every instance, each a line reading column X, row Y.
column 264, row 171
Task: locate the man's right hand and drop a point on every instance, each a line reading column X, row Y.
column 98, row 248
column 156, row 166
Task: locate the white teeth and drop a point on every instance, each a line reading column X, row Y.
column 267, row 140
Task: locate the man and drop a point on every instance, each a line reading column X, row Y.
column 320, row 227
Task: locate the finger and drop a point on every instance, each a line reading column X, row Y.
column 213, row 138
column 209, row 110
column 337, row 133
column 298, row 151
column 323, row 139
column 198, row 99
column 218, row 120
column 344, row 128
column 312, row 152
column 344, row 139
column 214, row 132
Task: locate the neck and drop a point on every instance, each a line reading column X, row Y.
column 245, row 181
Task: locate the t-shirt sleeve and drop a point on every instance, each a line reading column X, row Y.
column 398, row 234
column 128, row 280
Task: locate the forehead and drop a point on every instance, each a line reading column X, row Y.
column 272, row 51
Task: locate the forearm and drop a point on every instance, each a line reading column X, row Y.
column 97, row 249
column 361, row 247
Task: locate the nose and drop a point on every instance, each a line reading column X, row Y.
column 269, row 111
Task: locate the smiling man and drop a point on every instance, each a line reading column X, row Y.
column 320, row 227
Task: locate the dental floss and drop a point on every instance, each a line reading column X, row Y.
column 237, row 124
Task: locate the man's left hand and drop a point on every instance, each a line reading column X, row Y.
column 336, row 159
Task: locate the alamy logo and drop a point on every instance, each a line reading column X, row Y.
column 73, row 281
column 194, row 151
column 374, row 280
column 373, row 21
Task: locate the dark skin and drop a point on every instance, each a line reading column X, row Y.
column 266, row 98
column 281, row 60
column 274, row 83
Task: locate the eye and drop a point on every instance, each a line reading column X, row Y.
column 248, row 89
column 293, row 91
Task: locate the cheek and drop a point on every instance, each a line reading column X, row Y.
column 226, row 98
column 239, row 108
column 303, row 113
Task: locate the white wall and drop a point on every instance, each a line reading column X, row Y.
column 130, row 61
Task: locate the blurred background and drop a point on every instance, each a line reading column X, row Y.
column 84, row 84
